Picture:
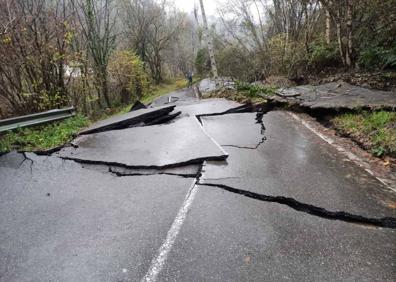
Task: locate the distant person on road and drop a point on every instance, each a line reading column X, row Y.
column 190, row 79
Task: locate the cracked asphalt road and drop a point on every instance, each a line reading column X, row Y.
column 234, row 196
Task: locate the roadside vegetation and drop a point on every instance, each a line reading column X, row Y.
column 302, row 40
column 375, row 131
column 43, row 137
column 245, row 92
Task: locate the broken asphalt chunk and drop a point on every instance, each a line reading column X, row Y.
column 128, row 119
column 180, row 143
column 336, row 95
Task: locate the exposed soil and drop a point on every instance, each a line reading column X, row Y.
column 374, row 80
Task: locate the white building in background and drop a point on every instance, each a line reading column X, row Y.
column 72, row 71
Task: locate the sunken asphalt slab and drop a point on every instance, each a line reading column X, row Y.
column 294, row 163
column 60, row 222
column 235, row 130
column 159, row 146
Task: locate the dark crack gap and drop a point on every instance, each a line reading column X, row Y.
column 120, row 174
column 260, row 110
column 26, row 158
column 385, row 222
column 259, row 119
column 197, row 161
column 246, row 108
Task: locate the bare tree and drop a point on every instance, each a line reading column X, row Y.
column 341, row 12
column 151, row 27
column 97, row 25
column 328, row 26
column 32, row 54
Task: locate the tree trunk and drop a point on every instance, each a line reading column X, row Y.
column 339, row 35
column 209, row 42
column 104, row 86
column 328, row 27
column 349, row 14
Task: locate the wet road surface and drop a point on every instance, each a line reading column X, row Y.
column 227, row 196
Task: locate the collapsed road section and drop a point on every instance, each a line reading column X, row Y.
column 239, row 193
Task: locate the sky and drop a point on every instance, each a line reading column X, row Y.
column 188, row 5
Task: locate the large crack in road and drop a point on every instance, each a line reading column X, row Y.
column 386, row 222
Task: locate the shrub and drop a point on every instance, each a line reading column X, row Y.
column 127, row 76
column 234, row 62
column 377, row 57
column 323, row 55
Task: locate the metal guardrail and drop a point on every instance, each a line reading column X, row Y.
column 36, row 119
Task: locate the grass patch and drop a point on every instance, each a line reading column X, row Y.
column 43, row 137
column 375, row 130
column 255, row 90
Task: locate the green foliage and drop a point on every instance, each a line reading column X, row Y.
column 254, row 90
column 377, row 57
column 42, row 137
column 323, row 55
column 375, row 34
column 202, row 62
column 127, row 75
column 377, row 129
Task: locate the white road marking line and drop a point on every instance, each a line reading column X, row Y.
column 349, row 155
column 159, row 260
column 210, row 137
